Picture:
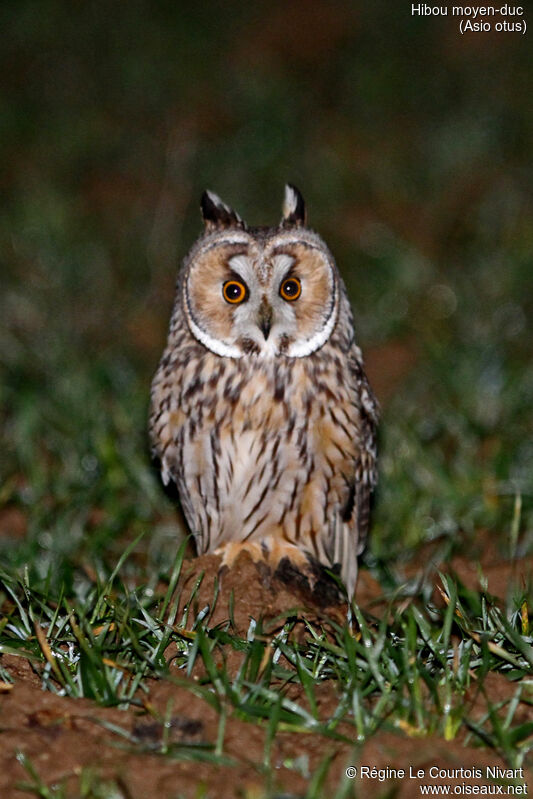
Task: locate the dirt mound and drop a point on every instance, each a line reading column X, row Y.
column 250, row 591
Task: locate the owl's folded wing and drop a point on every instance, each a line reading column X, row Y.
column 351, row 529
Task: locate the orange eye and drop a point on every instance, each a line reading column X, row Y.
column 234, row 291
column 290, row 289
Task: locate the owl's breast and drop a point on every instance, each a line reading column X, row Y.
column 257, row 447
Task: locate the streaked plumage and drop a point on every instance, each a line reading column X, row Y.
column 261, row 412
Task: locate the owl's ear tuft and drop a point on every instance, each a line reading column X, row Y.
column 293, row 207
column 217, row 214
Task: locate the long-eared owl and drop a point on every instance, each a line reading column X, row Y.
column 261, row 412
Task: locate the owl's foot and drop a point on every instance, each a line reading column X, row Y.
column 269, row 550
column 289, row 564
column 230, row 551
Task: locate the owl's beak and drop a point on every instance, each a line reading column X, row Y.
column 265, row 319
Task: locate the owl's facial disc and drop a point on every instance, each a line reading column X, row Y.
column 266, row 301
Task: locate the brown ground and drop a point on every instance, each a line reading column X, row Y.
column 62, row 735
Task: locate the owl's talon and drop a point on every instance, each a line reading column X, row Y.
column 230, row 551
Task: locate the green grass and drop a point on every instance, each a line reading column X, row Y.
column 412, row 153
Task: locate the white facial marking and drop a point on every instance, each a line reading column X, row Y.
column 243, row 266
column 302, row 348
column 237, row 239
column 214, row 344
column 282, row 263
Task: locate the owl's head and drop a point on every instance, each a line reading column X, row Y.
column 260, row 291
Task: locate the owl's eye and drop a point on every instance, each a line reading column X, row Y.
column 234, row 291
column 290, row 289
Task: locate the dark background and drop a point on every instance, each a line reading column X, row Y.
column 412, row 147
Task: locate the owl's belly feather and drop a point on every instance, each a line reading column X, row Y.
column 271, row 471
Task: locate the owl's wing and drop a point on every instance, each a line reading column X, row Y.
column 351, row 531
column 366, row 470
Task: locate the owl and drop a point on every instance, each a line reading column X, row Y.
column 261, row 412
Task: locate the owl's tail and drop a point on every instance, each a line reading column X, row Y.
column 344, row 555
